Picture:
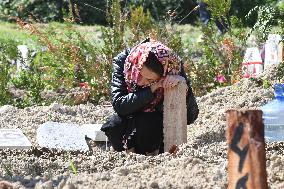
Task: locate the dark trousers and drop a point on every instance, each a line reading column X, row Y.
column 142, row 131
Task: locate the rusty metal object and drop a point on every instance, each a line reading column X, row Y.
column 246, row 150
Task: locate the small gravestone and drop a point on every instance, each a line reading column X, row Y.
column 65, row 136
column 93, row 131
column 273, row 50
column 252, row 64
column 13, row 139
column 22, row 62
column 6, row 108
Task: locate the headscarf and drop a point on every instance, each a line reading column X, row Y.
column 136, row 59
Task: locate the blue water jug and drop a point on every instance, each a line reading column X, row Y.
column 273, row 115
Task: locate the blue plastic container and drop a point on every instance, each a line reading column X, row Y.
column 273, row 116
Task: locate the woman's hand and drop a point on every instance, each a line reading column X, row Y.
column 157, row 85
column 172, row 80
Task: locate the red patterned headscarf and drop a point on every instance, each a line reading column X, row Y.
column 136, row 59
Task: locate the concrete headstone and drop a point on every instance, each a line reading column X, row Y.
column 66, row 136
column 6, row 108
column 13, row 139
column 22, row 62
column 93, row 131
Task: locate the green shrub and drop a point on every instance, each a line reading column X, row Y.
column 6, row 97
column 8, row 53
column 40, row 10
column 266, row 18
column 280, row 72
column 221, row 55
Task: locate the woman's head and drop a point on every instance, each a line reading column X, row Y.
column 152, row 60
column 151, row 71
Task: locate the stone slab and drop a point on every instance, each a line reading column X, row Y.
column 93, row 131
column 65, row 136
column 13, row 139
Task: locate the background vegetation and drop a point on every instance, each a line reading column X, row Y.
column 71, row 63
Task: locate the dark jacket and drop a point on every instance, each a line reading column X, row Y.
column 126, row 104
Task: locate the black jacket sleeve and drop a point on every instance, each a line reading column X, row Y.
column 125, row 103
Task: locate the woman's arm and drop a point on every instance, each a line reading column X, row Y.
column 125, row 103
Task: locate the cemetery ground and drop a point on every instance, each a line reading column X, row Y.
column 200, row 163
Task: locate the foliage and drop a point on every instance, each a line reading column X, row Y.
column 221, row 53
column 4, row 79
column 31, row 82
column 90, row 12
column 158, row 9
column 73, row 167
column 8, row 51
column 266, row 17
column 8, row 169
column 140, row 24
column 65, row 59
column 93, row 12
column 113, row 35
column 218, row 8
column 280, row 72
column 40, row 10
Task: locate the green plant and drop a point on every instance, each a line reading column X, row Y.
column 4, row 79
column 73, row 167
column 280, row 72
column 266, row 17
column 8, row 52
column 266, row 84
column 68, row 59
column 221, row 55
column 219, row 8
column 140, row 24
column 8, row 169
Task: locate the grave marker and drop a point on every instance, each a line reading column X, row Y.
column 65, row 136
column 13, row 139
column 246, row 150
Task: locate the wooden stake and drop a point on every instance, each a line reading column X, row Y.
column 246, row 150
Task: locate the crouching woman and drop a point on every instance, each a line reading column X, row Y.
column 139, row 78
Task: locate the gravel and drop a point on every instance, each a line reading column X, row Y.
column 200, row 163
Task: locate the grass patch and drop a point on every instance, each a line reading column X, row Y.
column 10, row 31
column 93, row 33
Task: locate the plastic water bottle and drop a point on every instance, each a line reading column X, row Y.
column 273, row 116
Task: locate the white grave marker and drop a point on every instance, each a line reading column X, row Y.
column 66, row 136
column 93, row 131
column 273, row 50
column 13, row 139
column 252, row 64
column 22, row 63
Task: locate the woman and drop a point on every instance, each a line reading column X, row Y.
column 139, row 79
